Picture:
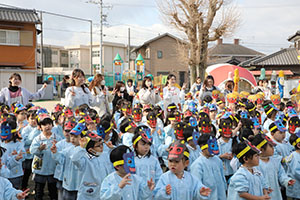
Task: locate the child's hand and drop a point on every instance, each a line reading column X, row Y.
column 42, row 147
column 19, row 156
column 152, row 131
column 151, row 184
column 227, row 156
column 53, row 148
column 14, row 152
column 291, row 182
column 270, row 190
column 82, row 142
column 205, row 191
column 168, row 189
column 109, row 144
column 265, row 197
column 22, row 195
column 125, row 181
column 159, row 132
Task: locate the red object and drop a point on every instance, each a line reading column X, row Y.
column 220, row 73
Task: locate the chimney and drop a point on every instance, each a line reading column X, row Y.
column 236, row 41
column 219, row 41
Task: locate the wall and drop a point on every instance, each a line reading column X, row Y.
column 19, row 54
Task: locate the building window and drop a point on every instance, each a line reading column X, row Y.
column 54, row 64
column 159, row 54
column 54, row 52
column 64, row 54
column 8, row 37
column 64, row 65
column 96, row 54
column 147, row 52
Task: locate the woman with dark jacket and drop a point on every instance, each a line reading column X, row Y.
column 120, row 92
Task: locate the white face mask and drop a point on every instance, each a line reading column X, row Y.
column 103, row 82
column 122, row 89
column 110, row 135
column 98, row 153
column 148, row 83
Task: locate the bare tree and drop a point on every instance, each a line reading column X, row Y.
column 201, row 21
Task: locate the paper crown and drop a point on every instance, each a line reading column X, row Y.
column 275, row 98
column 215, row 94
column 177, row 151
column 252, row 98
column 244, row 94
column 232, row 98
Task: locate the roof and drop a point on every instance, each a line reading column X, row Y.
column 287, row 56
column 225, row 49
column 290, row 38
column 247, row 63
column 19, row 15
column 230, row 59
column 157, row 38
column 269, row 72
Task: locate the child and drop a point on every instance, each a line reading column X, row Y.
column 178, row 183
column 208, row 168
column 31, row 118
column 63, row 144
column 43, row 164
column 21, row 115
column 14, row 150
column 156, row 132
column 247, row 183
column 271, row 112
column 121, row 184
column 89, row 160
column 127, row 127
column 225, row 143
column 58, row 119
column 147, row 166
column 293, row 167
column 270, row 166
column 7, row 191
column 213, row 113
column 126, row 112
column 137, row 116
column 282, row 148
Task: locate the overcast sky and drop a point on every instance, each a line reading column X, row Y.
column 265, row 24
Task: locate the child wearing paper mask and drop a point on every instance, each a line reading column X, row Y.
column 177, row 183
column 248, row 182
column 127, row 127
column 208, row 168
column 147, row 166
column 124, row 183
column 14, row 150
column 270, row 166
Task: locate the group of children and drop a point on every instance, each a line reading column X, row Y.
column 240, row 146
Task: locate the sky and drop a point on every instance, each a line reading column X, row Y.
column 265, row 24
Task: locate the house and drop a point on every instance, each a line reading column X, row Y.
column 162, row 58
column 18, row 39
column 287, row 59
column 230, row 53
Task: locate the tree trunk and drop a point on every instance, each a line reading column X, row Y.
column 192, row 74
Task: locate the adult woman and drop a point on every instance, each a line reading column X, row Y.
column 207, row 87
column 120, row 92
column 147, row 94
column 13, row 93
column 196, row 87
column 78, row 93
column 172, row 94
column 103, row 97
column 64, row 85
column 229, row 85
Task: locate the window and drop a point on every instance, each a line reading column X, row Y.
column 54, row 64
column 159, row 54
column 96, row 54
column 54, row 52
column 147, row 52
column 8, row 37
column 64, row 65
column 64, row 54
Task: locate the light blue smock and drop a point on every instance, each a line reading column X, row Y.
column 226, row 147
column 7, row 191
column 293, row 163
column 59, row 169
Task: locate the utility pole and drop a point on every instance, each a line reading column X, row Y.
column 91, row 46
column 101, row 34
column 42, row 44
column 128, row 49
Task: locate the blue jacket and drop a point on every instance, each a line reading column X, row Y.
column 244, row 181
column 148, row 167
column 58, row 130
column 294, row 172
column 94, row 170
column 14, row 166
column 59, row 169
column 48, row 163
column 210, row 172
column 226, row 148
column 186, row 188
column 274, row 174
column 7, row 191
column 27, row 141
column 137, row 190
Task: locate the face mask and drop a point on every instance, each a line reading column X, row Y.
column 122, row 89
column 103, row 82
column 148, row 83
column 110, row 135
column 98, row 153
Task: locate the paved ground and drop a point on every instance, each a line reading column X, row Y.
column 49, row 105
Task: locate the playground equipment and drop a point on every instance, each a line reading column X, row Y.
column 139, row 68
column 118, row 62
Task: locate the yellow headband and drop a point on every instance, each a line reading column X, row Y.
column 170, row 107
column 273, row 128
column 243, row 152
column 186, row 154
column 252, row 108
column 108, row 128
column 128, row 127
column 137, row 139
column 269, row 111
column 172, row 118
column 190, row 138
column 262, row 144
column 296, row 142
column 119, row 162
column 204, row 147
column 13, row 130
